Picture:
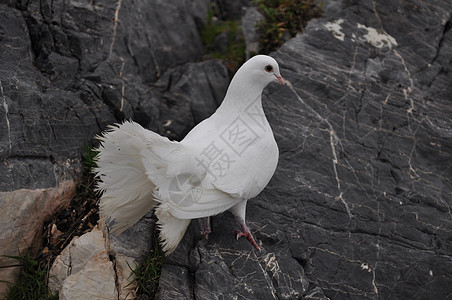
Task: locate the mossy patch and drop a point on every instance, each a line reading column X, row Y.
column 283, row 19
column 223, row 39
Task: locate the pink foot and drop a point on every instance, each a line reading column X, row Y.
column 246, row 233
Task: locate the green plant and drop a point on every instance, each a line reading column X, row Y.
column 284, row 19
column 234, row 54
column 32, row 283
column 86, row 186
column 148, row 273
column 89, row 158
column 79, row 217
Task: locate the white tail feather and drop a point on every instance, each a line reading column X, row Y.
column 128, row 193
column 172, row 229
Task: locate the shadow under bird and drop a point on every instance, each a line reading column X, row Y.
column 223, row 162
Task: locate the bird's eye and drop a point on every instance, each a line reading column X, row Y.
column 269, row 68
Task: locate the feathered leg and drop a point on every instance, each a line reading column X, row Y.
column 207, row 229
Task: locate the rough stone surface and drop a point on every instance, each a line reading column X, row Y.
column 22, row 216
column 194, row 88
column 94, row 281
column 95, row 257
column 360, row 205
column 43, row 128
column 251, row 17
column 369, row 184
column 172, row 287
column 83, row 270
column 128, row 251
column 231, row 9
column 68, row 69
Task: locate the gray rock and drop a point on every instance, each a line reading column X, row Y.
column 359, row 207
column 221, row 42
column 128, row 250
column 67, row 70
column 231, row 9
column 135, row 242
column 360, row 202
column 43, row 128
column 70, row 69
column 196, row 88
column 364, row 182
column 251, row 17
column 172, row 287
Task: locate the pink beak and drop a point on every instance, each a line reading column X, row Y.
column 280, row 79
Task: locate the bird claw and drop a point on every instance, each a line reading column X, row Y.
column 239, row 234
column 247, row 234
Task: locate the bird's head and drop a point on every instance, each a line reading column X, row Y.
column 263, row 69
column 249, row 82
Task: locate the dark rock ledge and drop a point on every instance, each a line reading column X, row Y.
column 360, row 205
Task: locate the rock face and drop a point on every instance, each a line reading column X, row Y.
column 360, row 205
column 128, row 250
column 22, row 216
column 365, row 180
column 83, row 270
column 69, row 69
column 97, row 267
column 250, row 19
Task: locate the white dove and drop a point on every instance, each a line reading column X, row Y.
column 223, row 162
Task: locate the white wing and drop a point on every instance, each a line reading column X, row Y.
column 184, row 189
column 239, row 157
column 252, row 171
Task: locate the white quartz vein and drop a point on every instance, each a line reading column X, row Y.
column 115, row 25
column 122, row 84
column 5, row 106
column 334, row 140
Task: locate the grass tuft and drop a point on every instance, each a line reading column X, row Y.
column 147, row 274
column 89, row 158
column 33, row 280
